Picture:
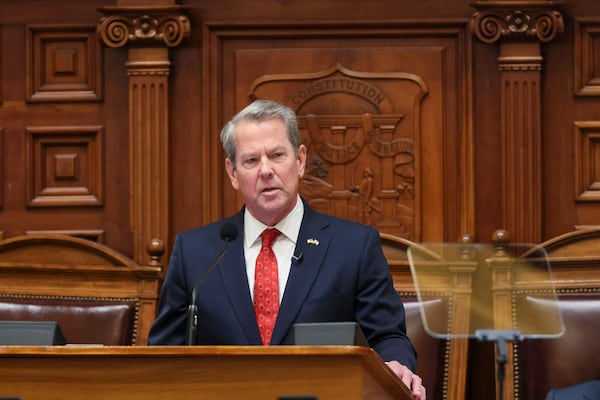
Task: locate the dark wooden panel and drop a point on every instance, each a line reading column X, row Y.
column 200, row 108
column 381, row 113
column 65, row 166
column 587, row 58
column 563, row 135
column 1, row 65
column 1, row 167
column 587, row 158
column 52, row 97
column 63, row 64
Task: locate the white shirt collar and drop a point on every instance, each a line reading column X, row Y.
column 289, row 226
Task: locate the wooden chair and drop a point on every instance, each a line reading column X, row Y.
column 97, row 295
column 538, row 365
column 442, row 363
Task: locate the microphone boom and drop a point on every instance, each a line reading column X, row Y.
column 228, row 233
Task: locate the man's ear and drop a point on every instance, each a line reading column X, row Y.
column 301, row 160
column 230, row 168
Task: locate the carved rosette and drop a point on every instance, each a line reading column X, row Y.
column 164, row 26
column 489, row 26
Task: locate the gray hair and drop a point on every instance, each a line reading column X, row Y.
column 258, row 111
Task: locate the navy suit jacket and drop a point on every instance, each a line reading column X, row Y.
column 584, row 391
column 343, row 276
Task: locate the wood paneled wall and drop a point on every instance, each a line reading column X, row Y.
column 425, row 119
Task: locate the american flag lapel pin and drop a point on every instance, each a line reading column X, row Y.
column 312, row 241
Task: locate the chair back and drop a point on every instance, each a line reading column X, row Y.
column 544, row 364
column 96, row 294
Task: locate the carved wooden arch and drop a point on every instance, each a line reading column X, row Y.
column 66, row 249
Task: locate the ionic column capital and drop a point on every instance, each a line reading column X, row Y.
column 143, row 26
column 516, row 20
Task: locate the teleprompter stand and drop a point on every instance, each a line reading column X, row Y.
column 479, row 277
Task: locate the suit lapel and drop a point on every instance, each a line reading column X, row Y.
column 235, row 280
column 593, row 390
column 313, row 242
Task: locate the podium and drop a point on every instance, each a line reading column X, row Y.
column 197, row 372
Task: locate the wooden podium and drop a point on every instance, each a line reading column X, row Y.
column 198, row 372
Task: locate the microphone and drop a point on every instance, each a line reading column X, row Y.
column 228, row 232
column 297, row 259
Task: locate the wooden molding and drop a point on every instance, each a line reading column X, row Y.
column 520, row 27
column 63, row 64
column 358, row 135
column 94, row 235
column 521, row 132
column 143, row 26
column 516, row 20
column 587, row 148
column 149, row 31
column 149, row 147
column 585, row 47
column 1, row 168
column 65, row 166
column 1, row 68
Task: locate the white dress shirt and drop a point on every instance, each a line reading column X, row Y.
column 283, row 247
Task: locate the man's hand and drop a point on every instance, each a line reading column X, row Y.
column 411, row 380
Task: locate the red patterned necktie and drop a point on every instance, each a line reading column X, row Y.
column 266, row 287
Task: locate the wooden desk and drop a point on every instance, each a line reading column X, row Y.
column 215, row 372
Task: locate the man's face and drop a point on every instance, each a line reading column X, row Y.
column 266, row 171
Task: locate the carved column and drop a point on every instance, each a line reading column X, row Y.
column 148, row 32
column 520, row 27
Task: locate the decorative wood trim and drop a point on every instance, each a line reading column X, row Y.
column 64, row 166
column 521, row 131
column 466, row 156
column 516, row 20
column 149, row 146
column 94, row 235
column 216, row 35
column 520, row 99
column 63, row 63
column 373, row 132
column 1, row 65
column 143, row 26
column 587, row 162
column 520, row 27
column 585, row 47
column 1, row 164
column 586, row 227
column 149, row 31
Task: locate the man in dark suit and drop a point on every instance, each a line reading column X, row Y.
column 327, row 269
column 584, row 391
